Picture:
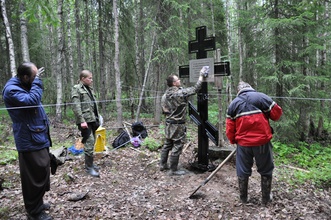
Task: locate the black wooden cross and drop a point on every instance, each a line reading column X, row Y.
column 206, row 130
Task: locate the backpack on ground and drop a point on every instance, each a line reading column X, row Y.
column 121, row 140
column 138, row 128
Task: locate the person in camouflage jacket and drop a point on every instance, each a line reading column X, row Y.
column 87, row 117
column 174, row 104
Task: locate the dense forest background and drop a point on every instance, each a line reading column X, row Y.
column 282, row 48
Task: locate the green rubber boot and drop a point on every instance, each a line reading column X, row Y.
column 164, row 160
column 89, row 166
column 174, row 166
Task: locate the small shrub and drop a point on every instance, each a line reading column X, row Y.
column 151, row 144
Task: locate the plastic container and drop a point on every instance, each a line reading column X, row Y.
column 100, row 139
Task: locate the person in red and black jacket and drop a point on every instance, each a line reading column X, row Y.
column 247, row 125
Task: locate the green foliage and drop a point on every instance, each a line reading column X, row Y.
column 161, row 129
column 4, row 212
column 311, row 161
column 151, row 144
column 4, row 113
column 45, row 8
column 283, row 151
column 7, row 155
column 213, row 113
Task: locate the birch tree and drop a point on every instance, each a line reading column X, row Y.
column 229, row 41
column 9, row 38
column 24, row 34
column 117, row 66
column 59, row 96
column 145, row 77
column 78, row 35
column 240, row 42
column 70, row 53
column 103, row 87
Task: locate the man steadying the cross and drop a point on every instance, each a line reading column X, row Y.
column 174, row 103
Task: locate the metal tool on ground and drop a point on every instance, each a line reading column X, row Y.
column 120, row 145
column 214, row 172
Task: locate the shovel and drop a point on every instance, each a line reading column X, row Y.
column 214, row 172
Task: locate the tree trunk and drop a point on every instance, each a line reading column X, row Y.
column 102, row 81
column 87, row 46
column 70, row 54
column 145, row 77
column 117, row 67
column 303, row 124
column 59, row 76
column 229, row 41
column 219, row 85
column 10, row 42
column 323, row 61
column 24, row 34
column 240, row 43
column 279, row 86
column 142, row 61
column 78, row 36
column 158, row 110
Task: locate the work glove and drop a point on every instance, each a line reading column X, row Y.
column 40, row 72
column 204, row 71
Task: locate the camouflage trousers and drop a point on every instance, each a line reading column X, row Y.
column 88, row 140
column 175, row 138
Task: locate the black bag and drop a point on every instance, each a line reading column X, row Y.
column 138, row 128
column 121, row 140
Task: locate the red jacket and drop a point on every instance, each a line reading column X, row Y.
column 247, row 120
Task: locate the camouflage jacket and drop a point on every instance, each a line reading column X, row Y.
column 84, row 106
column 174, row 101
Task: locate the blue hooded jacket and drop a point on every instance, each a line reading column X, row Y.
column 30, row 122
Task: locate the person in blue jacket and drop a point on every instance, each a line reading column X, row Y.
column 22, row 96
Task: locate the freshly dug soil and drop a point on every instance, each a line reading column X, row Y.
column 132, row 187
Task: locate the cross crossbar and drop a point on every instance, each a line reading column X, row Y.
column 211, row 131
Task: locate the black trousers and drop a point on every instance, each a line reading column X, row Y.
column 35, row 178
column 263, row 156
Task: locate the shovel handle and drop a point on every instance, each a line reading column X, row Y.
column 221, row 165
column 214, row 172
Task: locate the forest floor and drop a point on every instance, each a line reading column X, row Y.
column 132, row 187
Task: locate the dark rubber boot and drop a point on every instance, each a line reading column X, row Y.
column 243, row 185
column 95, row 167
column 41, row 216
column 266, row 189
column 89, row 166
column 174, row 166
column 164, row 160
